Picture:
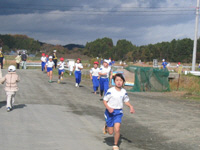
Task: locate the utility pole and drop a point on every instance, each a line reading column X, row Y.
column 196, row 37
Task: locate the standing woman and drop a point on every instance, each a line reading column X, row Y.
column 1, row 57
column 18, row 60
column 78, row 67
column 55, row 59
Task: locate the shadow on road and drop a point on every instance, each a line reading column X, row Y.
column 20, row 106
column 2, row 103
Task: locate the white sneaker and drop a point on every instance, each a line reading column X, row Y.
column 61, row 78
column 76, row 85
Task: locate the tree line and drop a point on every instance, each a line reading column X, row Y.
column 174, row 51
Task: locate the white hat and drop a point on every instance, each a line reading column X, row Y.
column 163, row 60
column 50, row 57
column 106, row 60
column 11, row 68
column 54, row 51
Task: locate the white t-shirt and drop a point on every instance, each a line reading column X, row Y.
column 105, row 70
column 50, row 64
column 61, row 65
column 78, row 65
column 95, row 72
column 43, row 59
column 115, row 99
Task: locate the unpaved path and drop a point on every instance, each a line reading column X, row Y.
column 62, row 117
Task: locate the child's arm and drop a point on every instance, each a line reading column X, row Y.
column 90, row 76
column 2, row 80
column 18, row 79
column 107, row 107
column 130, row 106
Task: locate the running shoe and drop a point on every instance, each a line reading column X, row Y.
column 61, row 78
column 50, row 81
column 58, row 81
column 115, row 147
column 76, row 85
column 8, row 109
column 105, row 131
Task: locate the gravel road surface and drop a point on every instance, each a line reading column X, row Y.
column 51, row 116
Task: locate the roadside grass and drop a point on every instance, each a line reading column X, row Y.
column 189, row 84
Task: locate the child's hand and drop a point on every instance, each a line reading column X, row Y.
column 110, row 110
column 132, row 110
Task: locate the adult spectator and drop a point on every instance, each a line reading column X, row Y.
column 24, row 58
column 55, row 59
column 164, row 64
column 1, row 57
column 18, row 60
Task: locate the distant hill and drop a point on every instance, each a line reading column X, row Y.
column 72, row 46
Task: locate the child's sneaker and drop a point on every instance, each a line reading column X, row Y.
column 105, row 129
column 61, row 78
column 115, row 147
column 8, row 109
column 58, row 81
column 50, row 81
column 76, row 85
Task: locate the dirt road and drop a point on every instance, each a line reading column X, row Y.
column 61, row 117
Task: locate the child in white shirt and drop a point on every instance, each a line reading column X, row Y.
column 94, row 75
column 113, row 101
column 78, row 67
column 61, row 66
column 49, row 68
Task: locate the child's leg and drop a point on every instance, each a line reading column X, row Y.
column 106, row 86
column 51, row 75
column 76, row 76
column 9, row 98
column 117, row 133
column 101, row 86
column 79, row 77
column 59, row 74
column 13, row 99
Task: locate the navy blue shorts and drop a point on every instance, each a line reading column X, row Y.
column 49, row 69
column 60, row 71
column 112, row 118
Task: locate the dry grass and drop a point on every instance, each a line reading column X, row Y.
column 190, row 85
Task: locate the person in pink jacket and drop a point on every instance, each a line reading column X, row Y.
column 11, row 79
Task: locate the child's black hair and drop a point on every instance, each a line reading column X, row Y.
column 119, row 75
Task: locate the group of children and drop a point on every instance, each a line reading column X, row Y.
column 113, row 99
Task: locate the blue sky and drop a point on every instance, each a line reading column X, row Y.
column 80, row 21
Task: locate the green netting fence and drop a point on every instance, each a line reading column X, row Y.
column 149, row 79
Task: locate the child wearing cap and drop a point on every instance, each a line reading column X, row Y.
column 11, row 79
column 105, row 73
column 61, row 70
column 113, row 101
column 43, row 61
column 49, row 68
column 94, row 75
column 164, row 64
column 78, row 67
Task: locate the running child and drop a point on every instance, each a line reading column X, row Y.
column 105, row 73
column 49, row 68
column 43, row 61
column 94, row 75
column 113, row 101
column 61, row 70
column 78, row 67
column 11, row 79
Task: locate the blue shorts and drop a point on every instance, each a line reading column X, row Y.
column 112, row 118
column 49, row 69
column 60, row 71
